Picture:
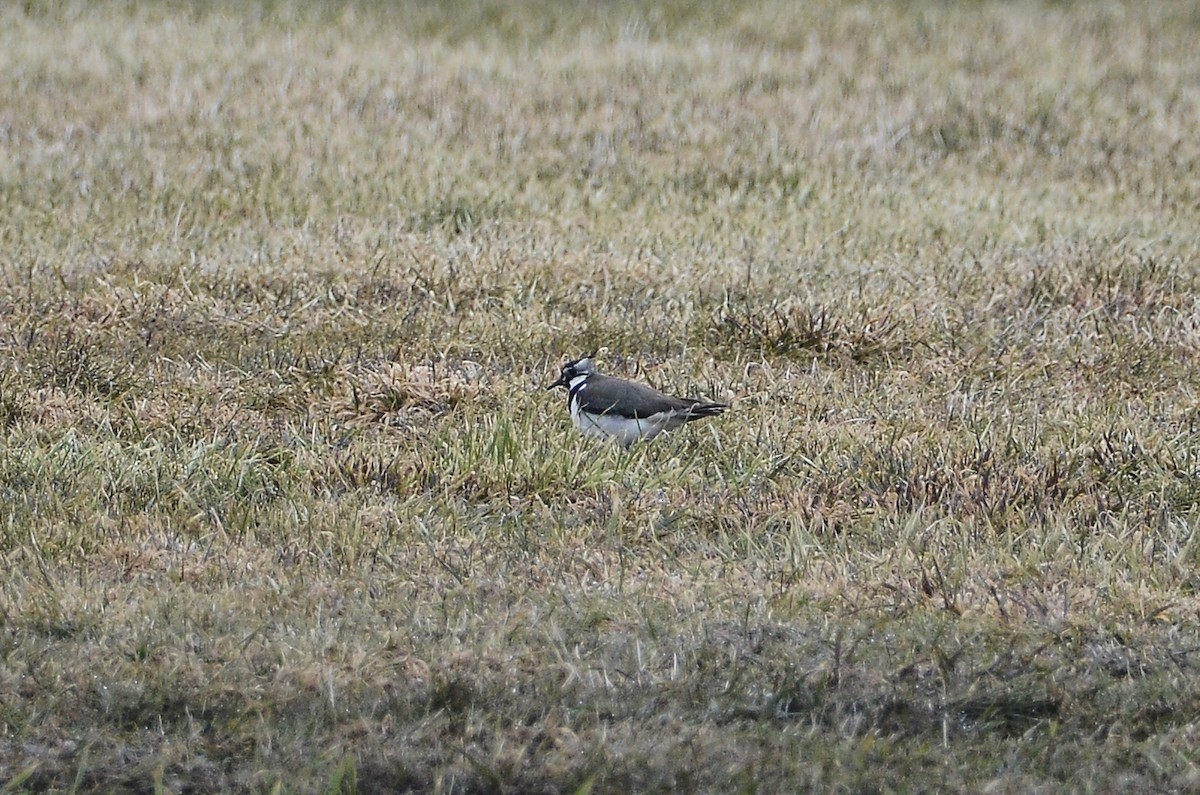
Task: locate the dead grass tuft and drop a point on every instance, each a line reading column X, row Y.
column 791, row 330
column 391, row 392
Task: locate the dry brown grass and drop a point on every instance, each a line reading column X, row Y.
column 285, row 508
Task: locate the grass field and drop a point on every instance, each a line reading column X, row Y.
column 285, row 508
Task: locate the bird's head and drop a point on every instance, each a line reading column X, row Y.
column 581, row 366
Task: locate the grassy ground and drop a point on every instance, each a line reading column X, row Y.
column 284, row 507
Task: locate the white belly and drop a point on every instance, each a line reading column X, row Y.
column 623, row 429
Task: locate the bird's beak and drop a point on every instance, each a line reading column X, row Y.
column 562, row 381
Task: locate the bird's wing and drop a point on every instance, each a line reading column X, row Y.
column 607, row 395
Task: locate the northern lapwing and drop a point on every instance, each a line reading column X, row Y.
column 605, row 407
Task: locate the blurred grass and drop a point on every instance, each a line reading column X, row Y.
column 284, row 504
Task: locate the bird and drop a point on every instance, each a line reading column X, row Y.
column 606, row 407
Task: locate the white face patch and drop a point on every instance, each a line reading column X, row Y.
column 578, row 380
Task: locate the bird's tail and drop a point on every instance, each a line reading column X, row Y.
column 701, row 410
